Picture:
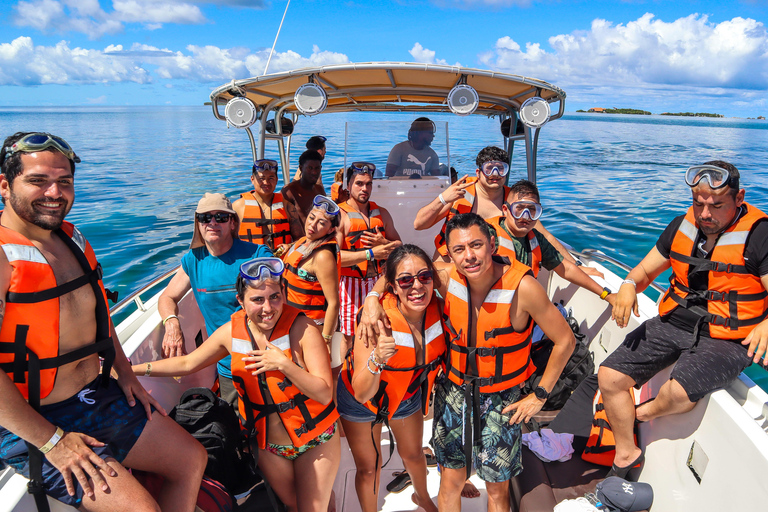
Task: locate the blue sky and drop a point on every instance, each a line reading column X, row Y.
column 660, row 56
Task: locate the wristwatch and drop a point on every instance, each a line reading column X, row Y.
column 541, row 393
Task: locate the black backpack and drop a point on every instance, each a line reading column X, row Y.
column 580, row 366
column 213, row 422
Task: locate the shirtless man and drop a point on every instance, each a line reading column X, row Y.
column 366, row 237
column 298, row 195
column 489, row 303
column 55, row 422
column 484, row 195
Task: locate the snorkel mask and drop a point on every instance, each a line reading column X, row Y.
column 261, row 269
column 325, row 203
column 520, row 209
column 716, row 177
column 36, row 142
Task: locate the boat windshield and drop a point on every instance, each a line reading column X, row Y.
column 400, row 149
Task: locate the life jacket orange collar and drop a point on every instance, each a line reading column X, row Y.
column 353, row 238
column 306, row 295
column 256, row 228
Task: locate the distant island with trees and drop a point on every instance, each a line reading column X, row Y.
column 635, row 111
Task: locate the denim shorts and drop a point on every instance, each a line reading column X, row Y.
column 352, row 410
column 101, row 412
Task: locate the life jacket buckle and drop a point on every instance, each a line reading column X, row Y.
column 284, row 407
column 485, row 351
column 301, row 430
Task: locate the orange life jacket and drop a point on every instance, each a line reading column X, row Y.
column 601, row 445
column 338, row 192
column 506, row 246
column 306, row 295
column 736, row 299
column 352, row 240
column 494, row 334
column 258, row 229
column 403, row 374
column 29, row 338
column 272, row 392
column 461, row 205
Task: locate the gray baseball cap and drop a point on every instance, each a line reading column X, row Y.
column 621, row 495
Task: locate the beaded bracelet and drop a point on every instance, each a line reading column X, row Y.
column 372, row 359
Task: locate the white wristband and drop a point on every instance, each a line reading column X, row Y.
column 373, row 293
column 53, row 441
column 440, row 197
column 168, row 318
column 629, row 281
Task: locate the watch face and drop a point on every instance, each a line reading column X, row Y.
column 541, row 393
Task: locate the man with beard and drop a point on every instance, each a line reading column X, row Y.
column 366, row 237
column 210, row 270
column 261, row 212
column 298, row 195
column 415, row 156
column 66, row 424
column 712, row 319
column 490, row 306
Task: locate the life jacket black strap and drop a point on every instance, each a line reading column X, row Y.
column 261, row 222
column 57, row 291
column 705, row 265
column 303, row 290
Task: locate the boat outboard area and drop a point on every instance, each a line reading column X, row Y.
column 402, row 134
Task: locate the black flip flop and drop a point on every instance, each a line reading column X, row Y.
column 401, row 481
column 431, row 460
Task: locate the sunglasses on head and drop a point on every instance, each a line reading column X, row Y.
column 264, row 165
column 35, row 142
column 405, row 282
column 205, row 218
column 499, row 168
column 329, row 205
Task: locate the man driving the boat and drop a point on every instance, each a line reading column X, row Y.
column 712, row 319
column 490, row 306
column 299, row 195
column 262, row 216
column 367, row 236
column 517, row 238
column 66, row 424
column 415, row 156
column 210, row 270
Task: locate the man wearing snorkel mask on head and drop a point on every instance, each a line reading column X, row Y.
column 415, row 156
column 516, row 238
column 712, row 319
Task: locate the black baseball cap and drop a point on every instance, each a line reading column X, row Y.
column 621, row 495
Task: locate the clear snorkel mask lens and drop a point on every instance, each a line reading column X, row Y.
column 520, row 209
column 501, row 169
column 327, row 204
column 716, row 177
column 264, row 165
column 261, row 269
column 363, row 168
column 35, row 142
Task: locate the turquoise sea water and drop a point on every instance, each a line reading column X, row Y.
column 610, row 182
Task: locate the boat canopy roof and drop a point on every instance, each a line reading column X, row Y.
column 390, row 86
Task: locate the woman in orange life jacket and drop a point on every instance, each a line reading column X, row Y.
column 281, row 370
column 312, row 268
column 392, row 382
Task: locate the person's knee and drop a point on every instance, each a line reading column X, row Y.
column 676, row 393
column 452, row 480
column 366, row 472
column 497, row 490
column 613, row 381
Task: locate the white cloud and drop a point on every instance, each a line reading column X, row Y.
column 87, row 16
column 688, row 51
column 23, row 63
column 425, row 55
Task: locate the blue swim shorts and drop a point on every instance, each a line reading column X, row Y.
column 352, row 410
column 100, row 412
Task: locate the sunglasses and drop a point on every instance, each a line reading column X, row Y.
column 716, row 177
column 261, row 268
column 520, row 209
column 405, row 282
column 499, row 168
column 35, row 142
column 265, row 165
column 205, row 218
column 330, row 206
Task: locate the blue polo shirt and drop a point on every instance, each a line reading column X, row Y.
column 213, row 284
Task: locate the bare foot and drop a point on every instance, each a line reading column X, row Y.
column 469, row 490
column 427, row 504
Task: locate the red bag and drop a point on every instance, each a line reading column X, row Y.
column 213, row 497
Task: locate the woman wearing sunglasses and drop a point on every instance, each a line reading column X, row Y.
column 282, row 374
column 312, row 268
column 392, row 382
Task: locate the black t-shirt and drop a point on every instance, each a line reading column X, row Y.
column 755, row 259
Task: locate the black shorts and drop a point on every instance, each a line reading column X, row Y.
column 712, row 364
column 101, row 412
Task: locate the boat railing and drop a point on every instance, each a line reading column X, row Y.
column 135, row 297
column 598, row 255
